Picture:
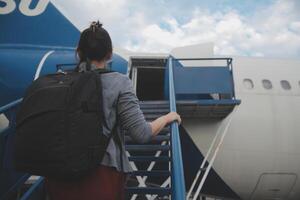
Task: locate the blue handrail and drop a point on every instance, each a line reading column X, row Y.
column 15, row 180
column 177, row 176
column 10, row 105
column 35, row 191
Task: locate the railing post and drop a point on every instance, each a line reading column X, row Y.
column 177, row 176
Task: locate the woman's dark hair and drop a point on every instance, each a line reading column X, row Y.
column 94, row 43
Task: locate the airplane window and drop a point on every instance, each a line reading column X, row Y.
column 285, row 85
column 267, row 84
column 248, row 83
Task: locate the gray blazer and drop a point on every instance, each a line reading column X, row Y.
column 118, row 93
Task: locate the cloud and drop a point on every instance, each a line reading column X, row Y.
column 271, row 30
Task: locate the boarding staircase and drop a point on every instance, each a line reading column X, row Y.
column 161, row 158
column 213, row 99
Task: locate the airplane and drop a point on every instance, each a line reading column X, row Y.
column 240, row 114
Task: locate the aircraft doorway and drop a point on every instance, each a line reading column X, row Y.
column 148, row 76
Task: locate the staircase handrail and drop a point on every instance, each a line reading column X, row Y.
column 177, row 174
column 10, row 105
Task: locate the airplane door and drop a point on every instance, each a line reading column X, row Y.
column 274, row 186
column 148, row 76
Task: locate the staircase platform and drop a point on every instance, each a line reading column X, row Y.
column 202, row 108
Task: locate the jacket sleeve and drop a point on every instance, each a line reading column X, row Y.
column 130, row 115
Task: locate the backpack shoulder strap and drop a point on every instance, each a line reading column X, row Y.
column 116, row 136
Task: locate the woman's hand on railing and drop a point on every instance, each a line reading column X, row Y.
column 158, row 124
column 173, row 116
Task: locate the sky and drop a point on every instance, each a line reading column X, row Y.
column 260, row 28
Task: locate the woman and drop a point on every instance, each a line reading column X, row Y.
column 120, row 105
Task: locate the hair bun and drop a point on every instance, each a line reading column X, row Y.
column 95, row 25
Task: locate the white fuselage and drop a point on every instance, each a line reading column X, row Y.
column 260, row 155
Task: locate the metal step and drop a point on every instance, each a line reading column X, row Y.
column 158, row 138
column 155, row 110
column 149, row 159
column 146, row 147
column 164, row 131
column 148, row 190
column 153, row 116
column 150, row 173
column 154, row 104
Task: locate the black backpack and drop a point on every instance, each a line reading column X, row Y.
column 59, row 126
